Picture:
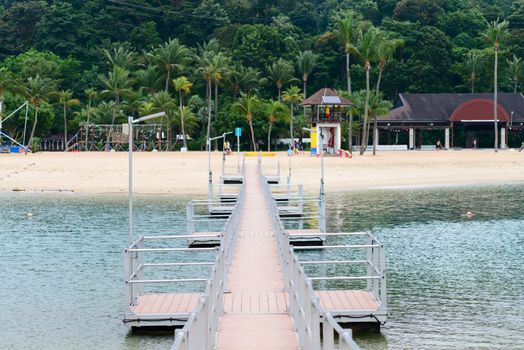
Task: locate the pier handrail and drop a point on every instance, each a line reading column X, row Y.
column 304, row 304
column 199, row 331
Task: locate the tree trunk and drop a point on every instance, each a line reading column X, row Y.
column 381, row 68
column 208, row 94
column 375, row 141
column 495, row 124
column 348, row 73
column 182, row 120
column 168, row 76
column 515, row 86
column 65, row 127
column 350, row 132
column 279, row 88
column 269, row 137
column 291, row 127
column 364, row 143
column 472, row 86
column 30, row 143
column 216, row 111
column 252, row 134
column 305, row 87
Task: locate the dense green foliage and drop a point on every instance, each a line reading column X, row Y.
column 120, row 57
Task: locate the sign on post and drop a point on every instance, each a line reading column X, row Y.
column 238, row 132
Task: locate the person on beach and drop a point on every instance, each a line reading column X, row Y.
column 521, row 147
column 439, row 145
column 474, row 143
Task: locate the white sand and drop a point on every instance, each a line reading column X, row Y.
column 186, row 173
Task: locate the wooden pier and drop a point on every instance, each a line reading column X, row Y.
column 256, row 314
column 259, row 292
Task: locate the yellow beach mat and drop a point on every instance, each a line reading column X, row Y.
column 264, row 154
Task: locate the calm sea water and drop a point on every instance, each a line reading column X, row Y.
column 453, row 283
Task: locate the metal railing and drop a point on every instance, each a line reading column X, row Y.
column 304, row 304
column 199, row 331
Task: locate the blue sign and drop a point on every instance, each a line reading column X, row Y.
column 238, row 132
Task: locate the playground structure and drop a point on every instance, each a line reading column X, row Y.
column 11, row 148
column 98, row 138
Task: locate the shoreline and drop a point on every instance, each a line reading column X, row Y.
column 176, row 173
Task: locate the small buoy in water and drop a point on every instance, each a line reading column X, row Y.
column 469, row 215
column 29, row 215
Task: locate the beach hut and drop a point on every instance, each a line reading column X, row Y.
column 327, row 114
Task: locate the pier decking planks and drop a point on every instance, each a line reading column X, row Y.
column 347, row 300
column 166, row 303
column 256, row 308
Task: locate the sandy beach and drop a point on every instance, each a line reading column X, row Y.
column 186, row 173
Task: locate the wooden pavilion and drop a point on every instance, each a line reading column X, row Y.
column 460, row 120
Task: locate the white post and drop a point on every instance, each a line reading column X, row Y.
column 210, row 180
column 446, row 138
column 376, row 137
column 502, row 138
column 130, row 193
column 411, row 138
column 238, row 151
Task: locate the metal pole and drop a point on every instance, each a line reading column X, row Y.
column 210, row 180
column 238, row 151
column 130, row 194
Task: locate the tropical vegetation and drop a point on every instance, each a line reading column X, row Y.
column 215, row 65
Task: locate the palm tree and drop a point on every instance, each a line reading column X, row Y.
column 182, row 86
column 65, row 98
column 117, row 83
column 146, row 108
column 220, row 62
column 385, row 50
column 242, row 78
column 473, row 62
column 103, row 113
column 148, row 79
column 121, row 57
column 276, row 111
column 495, row 34
column 170, row 57
column 91, row 95
column 281, row 73
column 306, row 63
column 246, row 106
column 292, row 95
column 349, row 31
column 514, row 67
column 163, row 102
column 37, row 90
column 367, row 52
column 206, row 70
column 188, row 118
column 377, row 107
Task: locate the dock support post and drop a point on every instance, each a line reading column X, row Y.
column 383, row 301
column 190, row 213
column 327, row 333
column 369, row 258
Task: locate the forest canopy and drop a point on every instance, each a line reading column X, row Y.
column 124, row 57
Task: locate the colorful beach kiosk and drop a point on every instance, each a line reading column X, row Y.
column 327, row 115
